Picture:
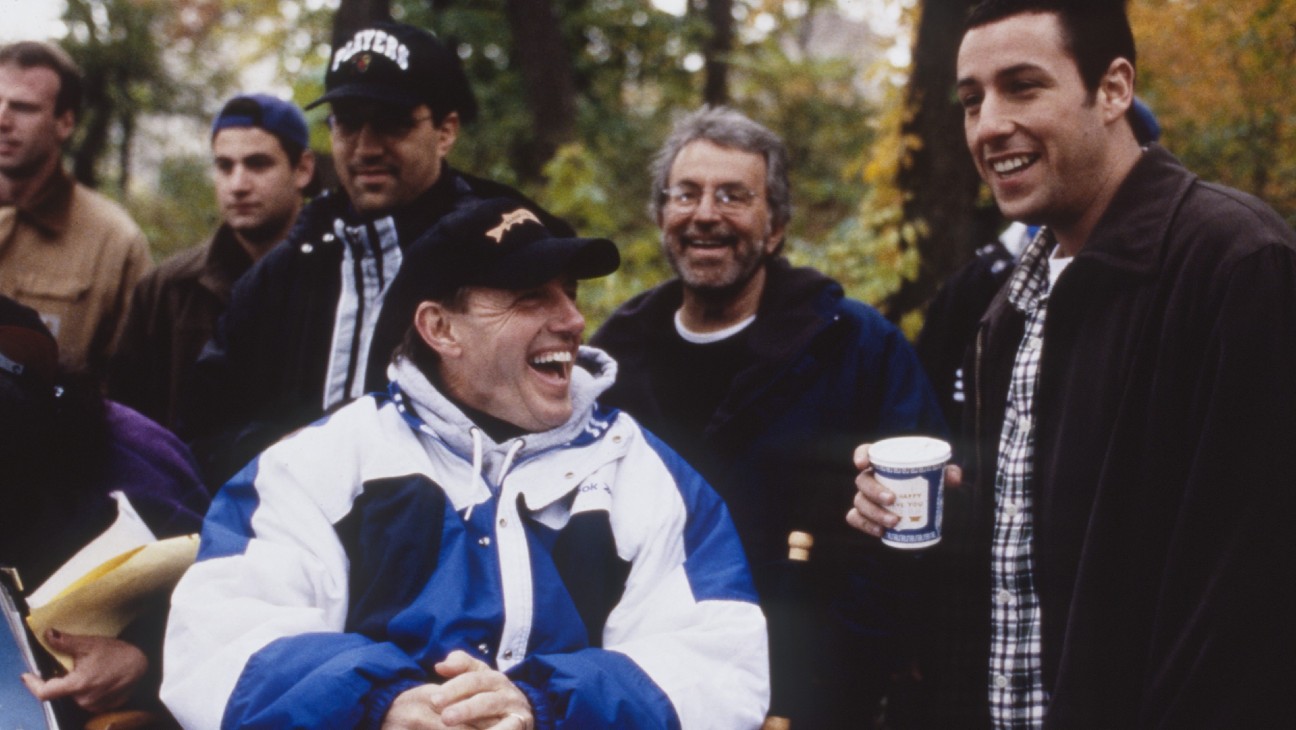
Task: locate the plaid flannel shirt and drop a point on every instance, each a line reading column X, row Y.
column 1017, row 696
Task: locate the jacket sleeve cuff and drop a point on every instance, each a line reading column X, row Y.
column 540, row 710
column 379, row 701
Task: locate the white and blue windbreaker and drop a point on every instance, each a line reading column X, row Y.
column 589, row 563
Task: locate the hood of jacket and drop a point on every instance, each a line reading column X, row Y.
column 593, row 374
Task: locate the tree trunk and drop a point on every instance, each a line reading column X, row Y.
column 354, row 14
column 97, row 107
column 719, row 14
column 544, row 61
column 942, row 182
column 124, row 151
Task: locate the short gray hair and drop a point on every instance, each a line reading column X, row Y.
column 726, row 127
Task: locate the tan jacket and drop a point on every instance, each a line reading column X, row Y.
column 74, row 256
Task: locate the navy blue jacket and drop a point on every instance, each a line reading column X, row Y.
column 826, row 374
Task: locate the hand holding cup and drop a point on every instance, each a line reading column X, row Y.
column 899, row 490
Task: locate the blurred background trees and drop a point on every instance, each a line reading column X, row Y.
column 577, row 94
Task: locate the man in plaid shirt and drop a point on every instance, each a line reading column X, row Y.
column 1131, row 398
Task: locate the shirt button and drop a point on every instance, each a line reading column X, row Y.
column 1000, row 681
column 508, row 653
column 1011, row 509
column 570, row 474
column 484, row 649
column 1004, row 597
column 485, row 541
column 1024, row 423
column 503, row 522
column 307, row 248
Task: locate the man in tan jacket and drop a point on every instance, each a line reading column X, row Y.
column 66, row 251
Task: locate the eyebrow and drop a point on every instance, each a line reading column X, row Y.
column 1001, row 74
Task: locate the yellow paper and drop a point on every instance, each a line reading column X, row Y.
column 105, row 600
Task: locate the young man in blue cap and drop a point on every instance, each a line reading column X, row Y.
column 261, row 165
column 301, row 334
column 485, row 545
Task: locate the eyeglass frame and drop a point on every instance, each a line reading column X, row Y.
column 381, row 123
column 728, row 198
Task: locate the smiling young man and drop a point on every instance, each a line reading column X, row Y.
column 66, row 251
column 762, row 375
column 261, row 167
column 306, row 329
column 1133, row 403
column 485, row 546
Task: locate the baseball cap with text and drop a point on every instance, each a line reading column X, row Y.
column 398, row 64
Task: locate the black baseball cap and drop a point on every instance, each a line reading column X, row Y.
column 500, row 243
column 398, row 64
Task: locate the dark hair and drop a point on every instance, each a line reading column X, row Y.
column 727, row 128
column 38, row 54
column 1094, row 32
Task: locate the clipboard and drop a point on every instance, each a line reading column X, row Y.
column 19, row 709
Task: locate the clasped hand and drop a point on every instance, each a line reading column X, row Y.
column 473, row 696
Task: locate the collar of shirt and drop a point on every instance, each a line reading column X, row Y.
column 49, row 207
column 1030, row 281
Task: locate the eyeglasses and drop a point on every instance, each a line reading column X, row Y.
column 727, row 198
column 383, row 122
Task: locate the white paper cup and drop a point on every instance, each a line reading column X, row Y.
column 913, row 467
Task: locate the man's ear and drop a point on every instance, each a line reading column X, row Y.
column 65, row 125
column 1116, row 90
column 435, row 326
column 774, row 241
column 447, row 133
column 305, row 171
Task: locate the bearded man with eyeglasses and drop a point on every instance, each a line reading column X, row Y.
column 306, row 330
column 759, row 374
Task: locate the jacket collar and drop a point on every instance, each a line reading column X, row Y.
column 419, row 214
column 51, row 205
column 1134, row 230
column 593, row 374
column 794, row 305
column 224, row 263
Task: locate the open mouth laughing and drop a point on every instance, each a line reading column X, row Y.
column 554, row 365
column 1014, row 164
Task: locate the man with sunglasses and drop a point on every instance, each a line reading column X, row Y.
column 759, row 374
column 305, row 329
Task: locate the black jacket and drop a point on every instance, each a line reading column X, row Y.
column 173, row 312
column 1166, row 405
column 263, row 373
column 826, row 373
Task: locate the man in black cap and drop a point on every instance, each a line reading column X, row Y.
column 298, row 337
column 485, row 545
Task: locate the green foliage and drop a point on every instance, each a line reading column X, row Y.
column 182, row 213
column 1219, row 77
column 632, row 65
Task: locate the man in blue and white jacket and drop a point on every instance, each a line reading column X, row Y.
column 480, row 546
